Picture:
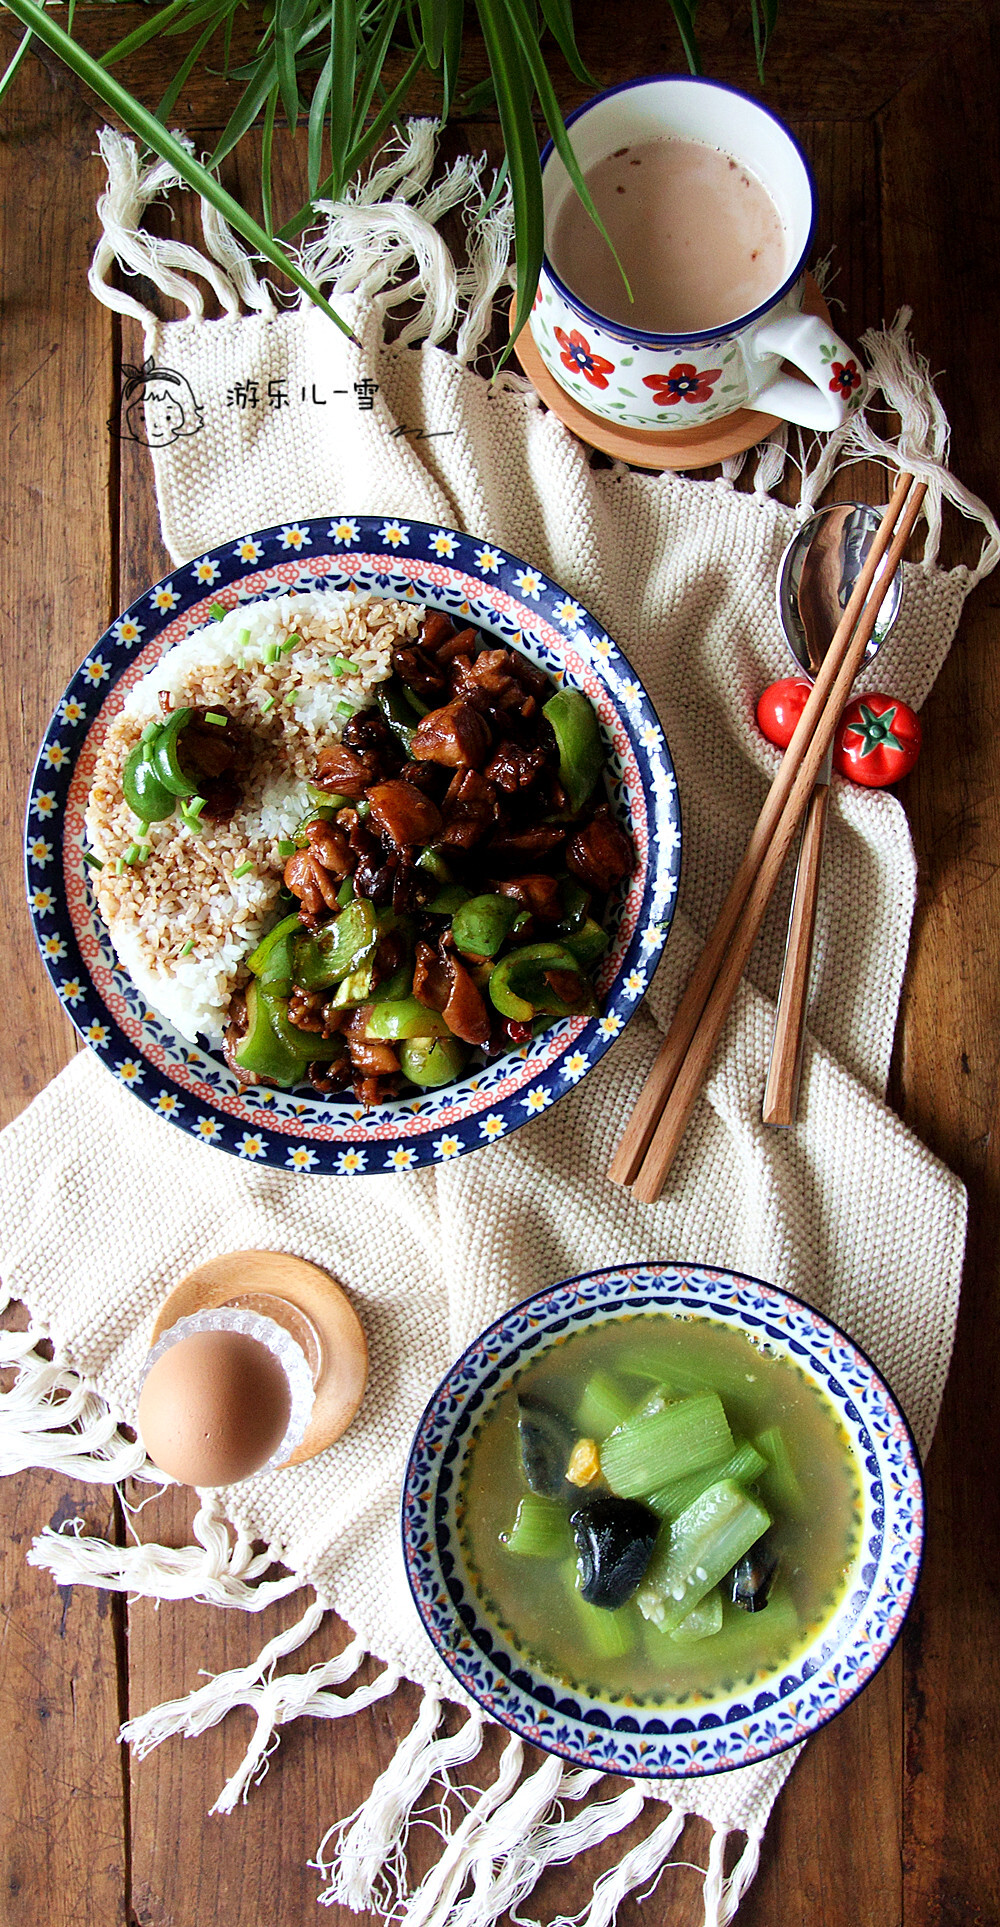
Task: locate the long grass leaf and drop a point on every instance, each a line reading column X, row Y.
column 288, row 80
column 516, row 121
column 317, row 116
column 361, row 149
column 370, row 67
column 558, row 17
column 146, row 126
column 155, row 24
column 433, row 21
column 22, row 48
column 165, row 106
column 684, row 16
column 534, row 60
column 266, row 147
column 247, row 107
column 343, row 54
column 451, row 53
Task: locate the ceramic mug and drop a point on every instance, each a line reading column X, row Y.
column 682, row 381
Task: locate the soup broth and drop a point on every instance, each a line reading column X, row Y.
column 807, row 1482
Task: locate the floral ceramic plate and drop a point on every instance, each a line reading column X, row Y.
column 194, row 1088
column 702, row 1735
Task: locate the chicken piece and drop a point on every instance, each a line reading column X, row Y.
column 455, row 735
column 600, row 854
column 403, row 813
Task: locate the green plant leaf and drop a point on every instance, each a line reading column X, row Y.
column 361, row 149
column 370, row 67
column 22, row 47
column 317, row 116
column 433, row 23
column 146, row 126
column 247, row 107
column 266, row 146
column 558, row 17
column 514, row 103
column 684, row 15
column 156, row 23
column 535, row 63
column 451, row 53
column 343, row 54
column 166, row 105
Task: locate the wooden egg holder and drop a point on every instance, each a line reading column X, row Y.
column 311, row 1306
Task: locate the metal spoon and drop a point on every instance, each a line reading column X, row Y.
column 816, row 575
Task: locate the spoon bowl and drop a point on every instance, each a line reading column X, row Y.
column 813, row 595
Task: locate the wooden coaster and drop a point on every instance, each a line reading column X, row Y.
column 322, row 1318
column 649, row 447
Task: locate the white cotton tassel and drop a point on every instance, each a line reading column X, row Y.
column 222, row 244
column 364, row 1855
column 771, row 461
column 297, row 1696
column 501, row 1838
column 722, row 1897
column 490, row 240
column 903, row 376
column 216, row 1571
column 557, row 1841
column 208, row 1704
column 430, row 1905
column 49, row 1419
column 642, row 1863
column 130, row 190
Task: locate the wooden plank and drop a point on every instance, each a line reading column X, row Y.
column 55, row 369
column 941, row 205
column 62, row 1832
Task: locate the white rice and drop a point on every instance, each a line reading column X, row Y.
column 180, row 921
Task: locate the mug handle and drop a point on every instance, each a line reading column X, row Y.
column 834, row 378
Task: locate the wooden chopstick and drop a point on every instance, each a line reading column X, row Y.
column 658, row 1120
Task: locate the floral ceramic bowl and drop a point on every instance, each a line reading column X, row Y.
column 700, row 1736
column 194, row 1088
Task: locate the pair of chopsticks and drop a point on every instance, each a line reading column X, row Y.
column 658, row 1122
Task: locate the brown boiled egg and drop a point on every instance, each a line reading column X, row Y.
column 214, row 1407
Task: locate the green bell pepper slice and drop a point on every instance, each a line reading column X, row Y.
column 397, row 712
column 165, row 756
column 578, row 737
column 353, row 990
column 483, row 924
column 436, row 866
column 588, row 944
column 265, row 1051
column 518, row 988
column 339, row 949
column 404, row 1017
column 271, row 962
column 142, row 789
column 432, row 1061
column 327, row 799
column 448, row 900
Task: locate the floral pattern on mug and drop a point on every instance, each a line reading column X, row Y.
column 683, row 383
column 578, row 356
column 845, row 378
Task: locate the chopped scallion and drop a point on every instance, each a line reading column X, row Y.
column 94, row 861
column 188, row 947
column 217, row 717
column 272, row 652
column 119, row 866
column 133, row 853
column 267, row 704
column 242, row 639
column 289, row 643
column 243, row 871
column 217, row 612
column 342, row 666
column 290, row 698
column 286, row 848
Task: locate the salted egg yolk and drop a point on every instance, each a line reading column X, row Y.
column 214, row 1408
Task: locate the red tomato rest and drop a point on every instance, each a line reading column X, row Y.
column 877, row 740
column 780, row 707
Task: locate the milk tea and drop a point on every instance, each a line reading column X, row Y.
column 697, row 234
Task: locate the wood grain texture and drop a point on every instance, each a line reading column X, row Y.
column 888, row 1819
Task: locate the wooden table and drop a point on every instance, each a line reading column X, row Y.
column 890, row 1816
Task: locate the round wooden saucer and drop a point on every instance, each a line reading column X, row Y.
column 649, row 447
column 312, row 1306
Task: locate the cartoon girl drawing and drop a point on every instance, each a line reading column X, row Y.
column 158, row 406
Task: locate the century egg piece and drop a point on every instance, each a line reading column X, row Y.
column 614, row 1540
column 547, row 1440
